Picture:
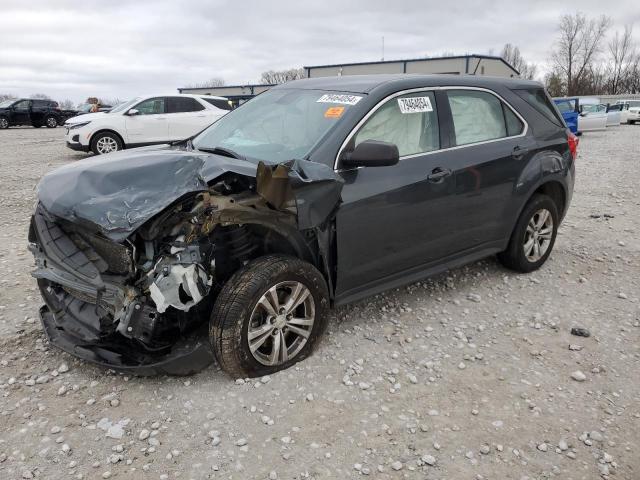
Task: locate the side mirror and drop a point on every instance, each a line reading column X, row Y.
column 372, row 153
column 133, row 111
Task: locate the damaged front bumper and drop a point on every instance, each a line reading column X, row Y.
column 187, row 356
column 88, row 314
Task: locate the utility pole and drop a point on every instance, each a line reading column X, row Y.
column 383, row 48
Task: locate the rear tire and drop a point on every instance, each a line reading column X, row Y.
column 51, row 121
column 105, row 142
column 248, row 325
column 533, row 237
column 4, row 123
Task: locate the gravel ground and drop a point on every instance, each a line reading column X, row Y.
column 471, row 375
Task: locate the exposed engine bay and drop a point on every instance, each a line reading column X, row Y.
column 140, row 300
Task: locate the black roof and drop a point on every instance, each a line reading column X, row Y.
column 366, row 83
column 410, row 60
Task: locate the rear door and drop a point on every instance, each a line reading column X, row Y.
column 186, row 117
column 491, row 148
column 39, row 109
column 150, row 124
column 21, row 113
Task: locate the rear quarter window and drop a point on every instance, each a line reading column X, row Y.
column 538, row 99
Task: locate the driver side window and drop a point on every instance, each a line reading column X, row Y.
column 153, row 106
column 409, row 121
column 23, row 106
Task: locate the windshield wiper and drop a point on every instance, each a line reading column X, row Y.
column 222, row 151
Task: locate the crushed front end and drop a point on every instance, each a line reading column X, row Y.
column 98, row 300
column 129, row 274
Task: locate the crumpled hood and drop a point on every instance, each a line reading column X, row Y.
column 119, row 192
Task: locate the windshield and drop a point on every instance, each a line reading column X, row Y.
column 278, row 125
column 634, row 103
column 7, row 103
column 125, row 106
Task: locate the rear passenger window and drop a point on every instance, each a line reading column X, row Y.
column 477, row 116
column 183, row 104
column 408, row 121
column 218, row 102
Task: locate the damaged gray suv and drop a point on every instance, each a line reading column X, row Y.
column 233, row 244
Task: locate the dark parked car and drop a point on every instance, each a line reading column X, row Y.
column 316, row 193
column 35, row 112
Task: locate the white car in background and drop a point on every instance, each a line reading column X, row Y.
column 144, row 121
column 592, row 118
column 632, row 110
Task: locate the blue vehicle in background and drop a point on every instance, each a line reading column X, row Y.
column 570, row 110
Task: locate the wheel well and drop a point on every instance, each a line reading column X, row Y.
column 106, row 130
column 555, row 191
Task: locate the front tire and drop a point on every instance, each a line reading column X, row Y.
column 105, row 142
column 51, row 122
column 268, row 316
column 4, row 123
column 533, row 237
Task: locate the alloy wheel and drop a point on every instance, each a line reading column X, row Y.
column 4, row 123
column 106, row 145
column 281, row 323
column 52, row 122
column 538, row 235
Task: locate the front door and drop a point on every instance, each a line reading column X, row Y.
column 394, row 219
column 150, row 124
column 21, row 113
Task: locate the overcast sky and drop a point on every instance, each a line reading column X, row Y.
column 73, row 49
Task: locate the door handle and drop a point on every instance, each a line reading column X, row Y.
column 438, row 174
column 200, row 116
column 519, row 152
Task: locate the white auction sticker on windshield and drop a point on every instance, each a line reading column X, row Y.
column 415, row 105
column 339, row 98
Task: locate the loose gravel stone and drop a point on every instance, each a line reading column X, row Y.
column 578, row 376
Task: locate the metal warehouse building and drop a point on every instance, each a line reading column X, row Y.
column 454, row 65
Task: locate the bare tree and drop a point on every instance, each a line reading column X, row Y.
column 66, row 104
column 512, row 56
column 554, row 84
column 211, row 83
column 6, row 96
column 40, row 96
column 578, row 46
column 282, row 76
column 632, row 82
column 622, row 56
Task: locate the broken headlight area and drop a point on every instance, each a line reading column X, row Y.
column 143, row 304
column 111, row 305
